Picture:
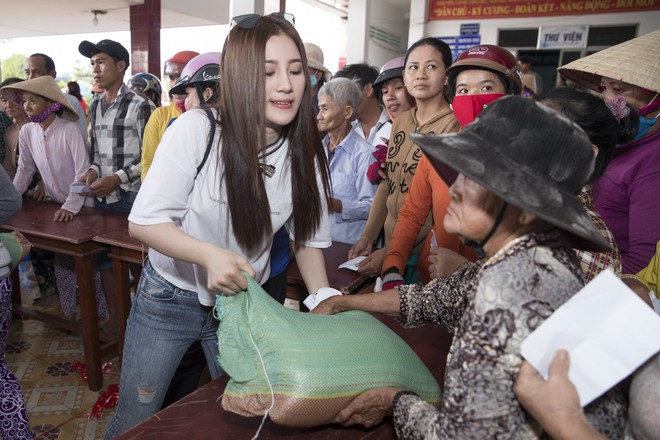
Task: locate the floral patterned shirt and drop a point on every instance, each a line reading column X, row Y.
column 506, row 298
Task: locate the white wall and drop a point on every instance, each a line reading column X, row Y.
column 392, row 20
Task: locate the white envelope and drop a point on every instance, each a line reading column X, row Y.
column 607, row 330
column 352, row 264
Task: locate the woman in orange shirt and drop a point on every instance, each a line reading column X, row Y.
column 479, row 76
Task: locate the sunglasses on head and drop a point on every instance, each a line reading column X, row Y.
column 172, row 76
column 249, row 21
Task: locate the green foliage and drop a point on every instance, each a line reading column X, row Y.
column 13, row 66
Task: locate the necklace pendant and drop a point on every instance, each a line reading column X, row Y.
column 267, row 169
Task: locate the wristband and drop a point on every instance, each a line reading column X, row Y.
column 392, row 279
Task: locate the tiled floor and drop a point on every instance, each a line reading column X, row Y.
column 42, row 358
column 58, row 401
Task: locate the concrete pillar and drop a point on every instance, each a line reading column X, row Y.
column 358, row 31
column 145, row 37
column 240, row 7
column 418, row 18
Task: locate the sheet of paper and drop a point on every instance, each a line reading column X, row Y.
column 352, row 264
column 606, row 328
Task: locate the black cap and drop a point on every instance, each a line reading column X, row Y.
column 112, row 48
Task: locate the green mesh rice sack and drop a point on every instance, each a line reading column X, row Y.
column 308, row 367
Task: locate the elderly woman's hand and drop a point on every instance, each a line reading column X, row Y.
column 62, row 215
column 328, row 306
column 443, row 262
column 368, row 409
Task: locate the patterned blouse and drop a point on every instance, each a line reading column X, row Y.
column 506, row 298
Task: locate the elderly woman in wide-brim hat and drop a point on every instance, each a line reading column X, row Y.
column 521, row 166
column 628, row 77
column 51, row 144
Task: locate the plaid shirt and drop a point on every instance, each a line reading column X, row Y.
column 593, row 263
column 116, row 139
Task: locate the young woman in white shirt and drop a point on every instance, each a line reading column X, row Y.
column 266, row 168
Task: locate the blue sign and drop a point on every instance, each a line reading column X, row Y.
column 461, row 43
column 470, row 29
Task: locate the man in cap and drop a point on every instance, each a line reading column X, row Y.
column 39, row 64
column 118, row 118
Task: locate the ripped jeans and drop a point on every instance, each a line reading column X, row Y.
column 163, row 322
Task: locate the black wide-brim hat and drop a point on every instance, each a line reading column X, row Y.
column 528, row 155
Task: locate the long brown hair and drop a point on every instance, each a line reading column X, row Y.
column 243, row 132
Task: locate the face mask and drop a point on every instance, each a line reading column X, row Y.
column 181, row 106
column 467, row 107
column 41, row 117
column 313, row 80
column 644, row 126
column 648, row 108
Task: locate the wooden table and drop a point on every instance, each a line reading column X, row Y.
column 200, row 415
column 344, row 280
column 74, row 238
column 124, row 251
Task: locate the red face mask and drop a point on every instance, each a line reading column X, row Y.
column 467, row 107
column 181, row 106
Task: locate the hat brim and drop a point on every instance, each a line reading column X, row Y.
column 389, row 74
column 631, row 62
column 180, row 87
column 87, row 48
column 464, row 152
column 476, row 63
column 327, row 75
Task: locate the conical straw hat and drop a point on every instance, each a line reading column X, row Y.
column 635, row 62
column 46, row 87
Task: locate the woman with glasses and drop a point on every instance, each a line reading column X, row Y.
column 208, row 214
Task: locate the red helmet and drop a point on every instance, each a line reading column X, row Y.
column 491, row 57
column 175, row 65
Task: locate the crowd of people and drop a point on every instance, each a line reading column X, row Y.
column 481, row 205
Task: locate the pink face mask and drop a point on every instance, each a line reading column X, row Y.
column 467, row 107
column 181, row 106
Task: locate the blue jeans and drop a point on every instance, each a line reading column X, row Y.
column 163, row 322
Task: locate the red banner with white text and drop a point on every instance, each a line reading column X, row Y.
column 470, row 9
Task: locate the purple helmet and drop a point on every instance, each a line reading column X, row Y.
column 391, row 69
column 204, row 69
